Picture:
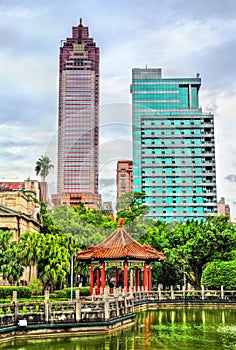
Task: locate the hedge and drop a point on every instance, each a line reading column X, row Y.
column 22, row 292
column 219, row 273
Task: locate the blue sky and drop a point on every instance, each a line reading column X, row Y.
column 182, row 37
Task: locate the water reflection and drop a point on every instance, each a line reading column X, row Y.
column 162, row 329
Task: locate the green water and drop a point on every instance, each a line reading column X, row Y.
column 162, row 329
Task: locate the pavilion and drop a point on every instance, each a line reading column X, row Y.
column 120, row 255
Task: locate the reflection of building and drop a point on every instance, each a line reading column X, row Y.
column 222, row 208
column 78, row 116
column 124, row 176
column 173, row 147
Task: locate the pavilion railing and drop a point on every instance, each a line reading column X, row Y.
column 97, row 308
column 111, row 305
column 202, row 294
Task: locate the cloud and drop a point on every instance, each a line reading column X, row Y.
column 106, row 182
column 182, row 37
column 231, row 178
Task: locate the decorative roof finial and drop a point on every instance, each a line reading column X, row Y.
column 120, row 222
column 80, row 22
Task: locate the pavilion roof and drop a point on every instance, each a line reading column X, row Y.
column 120, row 245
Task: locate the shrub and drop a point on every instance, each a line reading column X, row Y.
column 22, row 292
column 217, row 274
column 36, row 286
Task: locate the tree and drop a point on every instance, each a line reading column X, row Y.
column 30, row 245
column 5, row 241
column 191, row 245
column 162, row 273
column 36, row 286
column 130, row 206
column 10, row 262
column 197, row 243
column 54, row 267
column 49, row 226
column 88, row 226
column 167, row 272
column 220, row 273
column 11, row 266
column 43, row 166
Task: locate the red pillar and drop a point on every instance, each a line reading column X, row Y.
column 149, row 278
column 98, row 281
column 137, row 278
column 145, row 276
column 91, row 279
column 126, row 286
column 103, row 277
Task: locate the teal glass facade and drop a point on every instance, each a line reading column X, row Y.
column 173, row 147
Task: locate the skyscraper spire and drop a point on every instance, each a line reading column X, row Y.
column 80, row 23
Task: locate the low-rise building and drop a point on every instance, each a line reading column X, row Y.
column 19, row 212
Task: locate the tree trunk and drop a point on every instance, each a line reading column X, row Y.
column 197, row 271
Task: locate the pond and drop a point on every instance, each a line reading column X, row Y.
column 163, row 329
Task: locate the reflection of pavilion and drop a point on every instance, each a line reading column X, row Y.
column 121, row 256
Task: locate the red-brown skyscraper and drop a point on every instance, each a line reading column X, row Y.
column 124, row 176
column 78, row 114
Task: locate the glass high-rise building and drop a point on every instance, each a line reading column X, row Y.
column 78, row 120
column 173, row 147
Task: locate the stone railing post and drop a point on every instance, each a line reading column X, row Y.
column 203, row 293
column 184, row 291
column 222, row 292
column 139, row 293
column 159, row 292
column 117, row 306
column 125, row 304
column 47, row 306
column 106, row 305
column 77, row 306
column 94, row 294
column 172, row 293
column 16, row 305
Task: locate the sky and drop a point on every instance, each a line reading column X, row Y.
column 180, row 36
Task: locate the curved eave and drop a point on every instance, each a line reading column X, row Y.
column 107, row 254
column 120, row 246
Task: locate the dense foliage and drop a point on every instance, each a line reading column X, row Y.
column 220, row 273
column 130, row 206
column 189, row 247
column 87, row 225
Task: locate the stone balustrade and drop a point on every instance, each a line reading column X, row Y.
column 183, row 294
column 99, row 308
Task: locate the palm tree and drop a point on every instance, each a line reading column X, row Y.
column 11, row 266
column 31, row 247
column 56, row 264
column 43, row 166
